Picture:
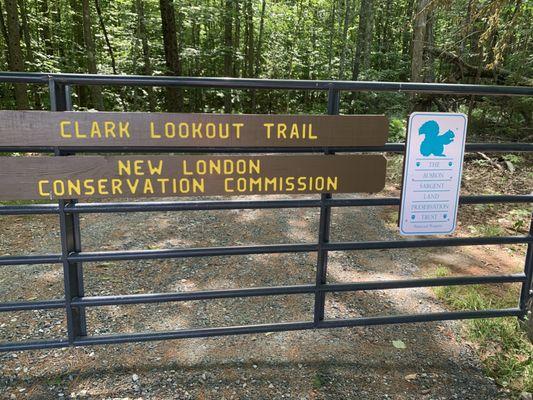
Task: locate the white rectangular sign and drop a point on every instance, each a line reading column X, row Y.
column 432, row 173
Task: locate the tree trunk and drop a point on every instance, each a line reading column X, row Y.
column 250, row 62
column 236, row 39
column 142, row 34
column 90, row 49
column 386, row 36
column 3, row 29
column 364, row 38
column 106, row 37
column 30, row 59
column 406, row 31
column 257, row 57
column 25, row 31
column 45, row 27
column 260, row 40
column 228, row 50
column 16, row 59
column 347, row 10
column 420, row 102
column 77, row 60
column 331, row 36
column 172, row 57
column 419, row 34
column 56, row 21
column 429, row 55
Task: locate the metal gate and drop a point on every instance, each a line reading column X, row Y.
column 72, row 256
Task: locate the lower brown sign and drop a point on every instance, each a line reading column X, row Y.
column 93, row 177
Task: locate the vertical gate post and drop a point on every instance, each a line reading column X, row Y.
column 70, row 233
column 324, row 228
column 526, row 295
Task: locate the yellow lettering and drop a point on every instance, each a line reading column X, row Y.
column 62, row 132
column 197, row 130
column 255, row 167
column 170, row 130
column 268, row 126
column 116, row 186
column 224, row 134
column 210, row 130
column 88, row 185
column 109, row 129
column 40, row 184
column 155, row 169
column 59, row 188
column 74, row 187
column 123, row 129
column 183, row 129
column 132, row 185
column 102, row 189
column 294, row 132
column 302, row 184
column 148, row 188
column 289, row 183
column 137, row 167
column 124, row 167
column 198, row 185
column 95, row 130
column 282, row 129
column 77, row 131
column 238, row 130
column 256, row 182
column 271, row 182
column 227, row 187
column 332, row 183
column 184, row 167
column 311, row 136
column 163, row 182
column 153, row 134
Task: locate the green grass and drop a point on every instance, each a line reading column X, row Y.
column 319, row 380
column 487, row 230
column 501, row 343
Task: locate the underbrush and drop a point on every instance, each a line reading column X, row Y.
column 501, row 343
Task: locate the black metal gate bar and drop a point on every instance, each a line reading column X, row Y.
column 69, row 224
column 152, row 206
column 250, row 83
column 324, row 227
column 526, row 294
column 71, row 257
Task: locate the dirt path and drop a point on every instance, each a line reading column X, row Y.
column 358, row 363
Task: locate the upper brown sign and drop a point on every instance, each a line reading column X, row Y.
column 138, row 129
column 91, row 177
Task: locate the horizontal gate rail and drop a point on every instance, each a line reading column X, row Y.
column 261, row 249
column 202, row 205
column 75, row 302
column 32, row 305
column 92, row 301
column 98, row 301
column 263, row 328
column 31, row 260
column 247, row 83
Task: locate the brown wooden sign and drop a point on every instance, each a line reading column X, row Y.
column 139, row 129
column 91, row 177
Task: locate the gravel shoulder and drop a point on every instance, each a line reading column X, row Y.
column 347, row 363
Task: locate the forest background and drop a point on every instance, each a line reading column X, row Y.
column 452, row 41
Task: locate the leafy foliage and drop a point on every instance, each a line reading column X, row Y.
column 467, row 41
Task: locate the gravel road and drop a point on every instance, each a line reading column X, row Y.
column 355, row 363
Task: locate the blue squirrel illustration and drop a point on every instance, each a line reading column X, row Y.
column 434, row 143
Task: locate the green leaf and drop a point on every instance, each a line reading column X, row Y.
column 399, row 344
